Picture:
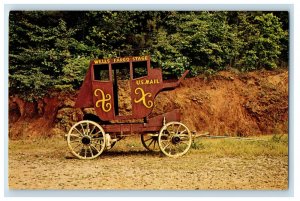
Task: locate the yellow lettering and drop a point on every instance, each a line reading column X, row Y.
column 141, row 58
column 101, row 61
column 121, row 60
column 150, row 81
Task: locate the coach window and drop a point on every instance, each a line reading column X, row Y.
column 101, row 72
column 139, row 69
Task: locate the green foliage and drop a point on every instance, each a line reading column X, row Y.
column 50, row 50
column 72, row 73
column 38, row 53
column 261, row 41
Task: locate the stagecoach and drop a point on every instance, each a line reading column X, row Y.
column 122, row 92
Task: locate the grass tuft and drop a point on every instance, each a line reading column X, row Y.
column 263, row 146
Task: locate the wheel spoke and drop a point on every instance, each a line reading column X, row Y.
column 150, row 143
column 97, row 138
column 87, row 128
column 178, row 129
column 79, row 131
column 167, row 146
column 148, row 139
column 183, row 135
column 182, row 132
column 85, row 151
column 165, row 140
column 74, row 135
column 154, row 144
column 77, row 146
column 94, row 147
column 76, row 141
column 91, row 151
column 96, row 133
column 93, row 130
column 82, row 129
column 98, row 142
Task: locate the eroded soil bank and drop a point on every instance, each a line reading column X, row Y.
column 228, row 103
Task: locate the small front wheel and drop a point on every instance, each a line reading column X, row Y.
column 86, row 139
column 174, row 139
column 150, row 141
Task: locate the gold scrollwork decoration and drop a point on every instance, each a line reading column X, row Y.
column 106, row 107
column 147, row 104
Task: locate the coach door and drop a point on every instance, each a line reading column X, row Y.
column 103, row 95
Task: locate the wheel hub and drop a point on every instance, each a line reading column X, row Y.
column 175, row 140
column 86, row 140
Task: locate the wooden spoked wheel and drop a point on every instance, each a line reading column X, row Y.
column 150, row 141
column 86, row 139
column 174, row 139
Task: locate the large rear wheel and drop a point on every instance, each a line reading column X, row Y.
column 174, row 139
column 86, row 139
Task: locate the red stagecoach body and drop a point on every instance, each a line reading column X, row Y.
column 100, row 91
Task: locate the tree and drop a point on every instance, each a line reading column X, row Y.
column 38, row 51
column 50, row 50
column 260, row 36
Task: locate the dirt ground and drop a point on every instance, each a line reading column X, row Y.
column 46, row 164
